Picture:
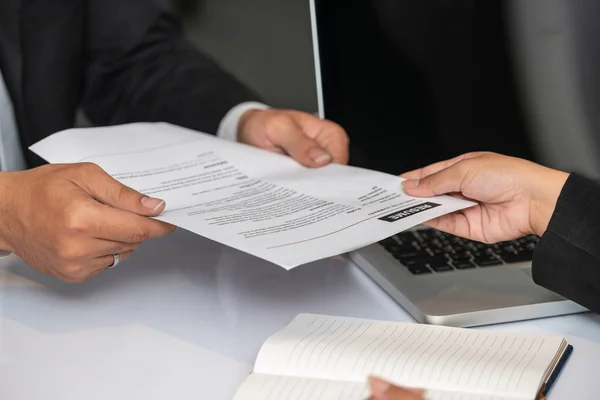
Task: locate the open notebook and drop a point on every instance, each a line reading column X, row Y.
column 320, row 357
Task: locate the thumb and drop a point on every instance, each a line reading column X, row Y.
column 107, row 190
column 449, row 180
column 290, row 138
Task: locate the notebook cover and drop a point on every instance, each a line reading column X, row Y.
column 559, row 367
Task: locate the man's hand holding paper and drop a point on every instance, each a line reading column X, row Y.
column 68, row 220
column 259, row 202
column 311, row 141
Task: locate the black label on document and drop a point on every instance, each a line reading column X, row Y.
column 407, row 212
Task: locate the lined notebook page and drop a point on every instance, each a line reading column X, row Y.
column 271, row 387
column 415, row 355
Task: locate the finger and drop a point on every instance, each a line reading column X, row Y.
column 103, row 247
column 437, row 167
column 288, row 135
column 456, row 224
column 445, row 181
column 397, row 393
column 116, row 225
column 109, row 191
column 91, row 268
column 104, row 262
column 276, row 149
column 335, row 141
column 329, row 135
column 460, row 196
column 95, row 274
column 383, row 390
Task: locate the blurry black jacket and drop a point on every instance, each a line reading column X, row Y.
column 121, row 61
column 567, row 258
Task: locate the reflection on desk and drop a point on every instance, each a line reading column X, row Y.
column 184, row 319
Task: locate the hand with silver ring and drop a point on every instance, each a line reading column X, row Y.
column 73, row 221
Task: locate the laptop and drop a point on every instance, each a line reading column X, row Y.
column 436, row 277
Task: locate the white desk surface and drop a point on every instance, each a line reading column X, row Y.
column 185, row 318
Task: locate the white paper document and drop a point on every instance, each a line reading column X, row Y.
column 259, row 202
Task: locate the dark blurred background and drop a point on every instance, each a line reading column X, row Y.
column 265, row 43
column 414, row 81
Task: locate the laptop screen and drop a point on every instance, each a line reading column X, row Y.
column 416, row 81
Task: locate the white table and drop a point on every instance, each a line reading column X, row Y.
column 184, row 319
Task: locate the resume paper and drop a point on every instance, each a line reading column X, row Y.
column 256, row 201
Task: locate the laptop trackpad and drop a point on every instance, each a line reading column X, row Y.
column 491, row 289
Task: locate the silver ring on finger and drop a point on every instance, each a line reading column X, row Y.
column 115, row 261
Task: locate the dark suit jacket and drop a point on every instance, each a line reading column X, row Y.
column 120, row 60
column 567, row 259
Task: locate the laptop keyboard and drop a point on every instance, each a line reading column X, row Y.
column 430, row 251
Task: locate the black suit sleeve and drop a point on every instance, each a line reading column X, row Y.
column 141, row 68
column 567, row 259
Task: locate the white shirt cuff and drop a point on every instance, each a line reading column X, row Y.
column 228, row 128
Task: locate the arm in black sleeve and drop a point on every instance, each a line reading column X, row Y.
column 140, row 68
column 567, row 259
